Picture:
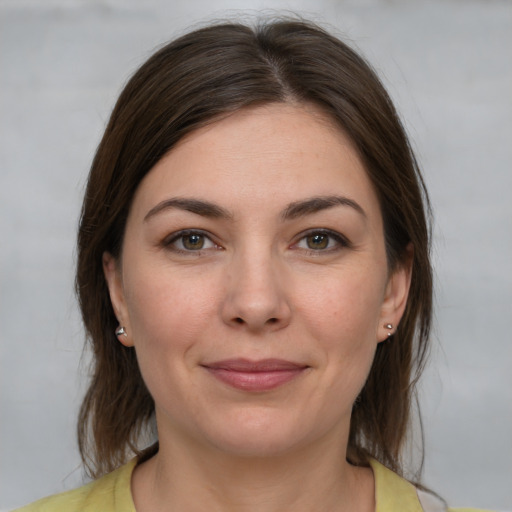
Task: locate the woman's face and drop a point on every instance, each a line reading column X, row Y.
column 254, row 284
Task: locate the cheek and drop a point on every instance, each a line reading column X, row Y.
column 167, row 316
column 343, row 319
column 346, row 307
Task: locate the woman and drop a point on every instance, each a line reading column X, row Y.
column 254, row 276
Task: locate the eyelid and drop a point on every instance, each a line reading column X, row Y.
column 176, row 235
column 341, row 240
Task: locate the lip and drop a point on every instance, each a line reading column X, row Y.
column 255, row 376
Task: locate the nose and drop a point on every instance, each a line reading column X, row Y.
column 256, row 298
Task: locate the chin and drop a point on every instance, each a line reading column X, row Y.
column 258, row 434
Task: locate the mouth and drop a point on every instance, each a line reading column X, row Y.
column 255, row 376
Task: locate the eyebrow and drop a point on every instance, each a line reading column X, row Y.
column 292, row 211
column 197, row 206
column 317, row 204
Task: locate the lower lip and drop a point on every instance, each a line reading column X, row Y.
column 255, row 381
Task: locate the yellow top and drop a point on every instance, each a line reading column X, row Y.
column 112, row 493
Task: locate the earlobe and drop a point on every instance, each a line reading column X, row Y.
column 395, row 298
column 112, row 274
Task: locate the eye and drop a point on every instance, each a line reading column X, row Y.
column 321, row 240
column 190, row 241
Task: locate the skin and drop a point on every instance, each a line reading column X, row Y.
column 310, row 286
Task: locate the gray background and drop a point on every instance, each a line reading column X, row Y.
column 447, row 64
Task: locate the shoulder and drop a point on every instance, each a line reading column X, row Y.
column 396, row 494
column 110, row 493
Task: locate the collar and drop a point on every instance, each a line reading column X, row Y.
column 392, row 492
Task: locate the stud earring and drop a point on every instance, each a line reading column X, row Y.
column 120, row 331
column 389, row 327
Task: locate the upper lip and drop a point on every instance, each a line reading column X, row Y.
column 247, row 365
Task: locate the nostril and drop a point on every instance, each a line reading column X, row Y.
column 239, row 320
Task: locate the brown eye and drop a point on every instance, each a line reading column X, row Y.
column 317, row 241
column 320, row 241
column 190, row 241
column 193, row 241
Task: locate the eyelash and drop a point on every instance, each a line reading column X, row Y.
column 339, row 241
column 170, row 241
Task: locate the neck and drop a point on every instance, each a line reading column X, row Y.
column 311, row 478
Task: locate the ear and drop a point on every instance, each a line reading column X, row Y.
column 112, row 271
column 395, row 297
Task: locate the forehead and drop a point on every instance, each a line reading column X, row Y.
column 265, row 155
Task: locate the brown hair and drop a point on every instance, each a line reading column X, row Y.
column 188, row 83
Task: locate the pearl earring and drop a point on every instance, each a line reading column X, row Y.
column 120, row 331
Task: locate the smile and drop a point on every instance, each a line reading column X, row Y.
column 255, row 376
